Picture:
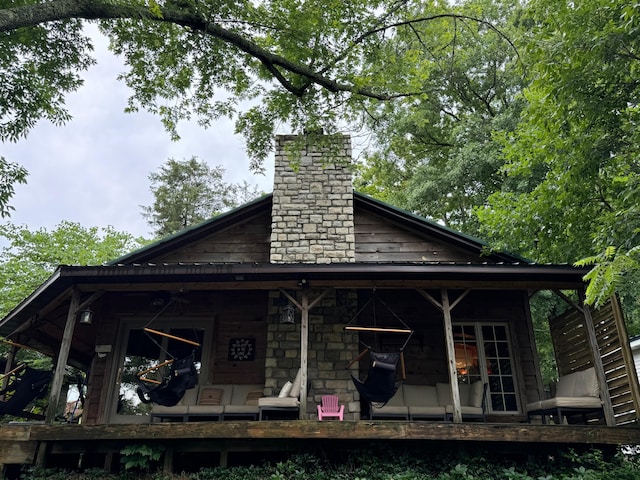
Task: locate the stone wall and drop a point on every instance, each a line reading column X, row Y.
column 330, row 350
column 312, row 216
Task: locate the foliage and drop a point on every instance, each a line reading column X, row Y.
column 572, row 163
column 140, row 457
column 436, row 156
column 308, row 65
column 188, row 192
column 33, row 255
column 387, row 463
column 10, row 174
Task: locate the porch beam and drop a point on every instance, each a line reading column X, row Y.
column 459, row 299
column 570, row 302
column 451, row 357
column 430, row 298
column 63, row 356
column 87, row 303
column 609, row 415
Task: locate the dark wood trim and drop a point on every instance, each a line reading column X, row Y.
column 309, row 430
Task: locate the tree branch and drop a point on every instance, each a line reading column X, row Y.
column 32, row 15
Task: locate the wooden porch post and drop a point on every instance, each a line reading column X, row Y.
column 63, row 356
column 451, row 357
column 8, row 367
column 304, row 350
column 304, row 306
column 609, row 415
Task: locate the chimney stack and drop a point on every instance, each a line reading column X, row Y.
column 312, row 214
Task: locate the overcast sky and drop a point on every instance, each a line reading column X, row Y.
column 94, row 170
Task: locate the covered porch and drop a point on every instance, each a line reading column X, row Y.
column 471, row 324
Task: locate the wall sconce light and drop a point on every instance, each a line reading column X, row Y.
column 86, row 317
column 288, row 314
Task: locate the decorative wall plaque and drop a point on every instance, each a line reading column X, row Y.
column 242, row 349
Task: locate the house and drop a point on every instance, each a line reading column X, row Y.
column 326, row 257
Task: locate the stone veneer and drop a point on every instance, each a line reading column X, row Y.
column 312, row 214
column 330, row 351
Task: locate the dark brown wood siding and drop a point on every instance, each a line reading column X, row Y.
column 246, row 242
column 378, row 240
column 243, row 315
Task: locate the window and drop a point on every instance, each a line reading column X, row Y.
column 483, row 352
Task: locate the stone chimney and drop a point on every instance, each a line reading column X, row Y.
column 312, row 214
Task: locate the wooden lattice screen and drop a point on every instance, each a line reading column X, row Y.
column 571, row 345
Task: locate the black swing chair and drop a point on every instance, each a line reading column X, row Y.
column 182, row 374
column 170, row 389
column 24, row 385
column 380, row 385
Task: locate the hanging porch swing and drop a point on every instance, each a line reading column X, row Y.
column 380, row 384
column 182, row 375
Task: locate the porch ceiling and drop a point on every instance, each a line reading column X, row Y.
column 203, row 276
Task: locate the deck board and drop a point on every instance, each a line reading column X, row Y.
column 314, row 430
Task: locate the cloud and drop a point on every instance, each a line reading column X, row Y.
column 94, row 169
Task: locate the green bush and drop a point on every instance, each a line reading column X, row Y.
column 381, row 464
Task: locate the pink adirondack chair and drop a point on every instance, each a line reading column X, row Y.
column 330, row 408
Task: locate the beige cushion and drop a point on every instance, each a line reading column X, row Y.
column 297, row 382
column 435, row 411
column 241, row 409
column 286, row 388
column 206, row 409
column 565, row 402
column 420, row 395
column 179, row 409
column 586, row 384
column 397, row 400
column 464, row 390
column 278, row 402
column 444, row 394
column 211, row 400
column 395, row 410
column 395, row 406
column 476, row 393
column 566, row 385
column 240, row 392
column 465, row 409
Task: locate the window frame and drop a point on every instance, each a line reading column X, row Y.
column 480, row 341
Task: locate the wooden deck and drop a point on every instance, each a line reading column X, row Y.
column 35, row 443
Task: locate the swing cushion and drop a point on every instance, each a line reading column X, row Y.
column 211, row 400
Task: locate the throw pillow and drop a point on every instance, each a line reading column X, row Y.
column 252, row 398
column 210, row 396
column 286, row 388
